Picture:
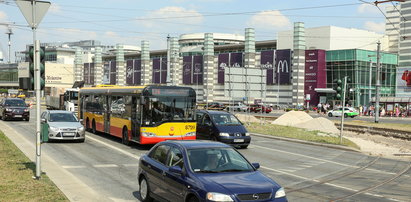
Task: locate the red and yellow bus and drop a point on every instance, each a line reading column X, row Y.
column 141, row 114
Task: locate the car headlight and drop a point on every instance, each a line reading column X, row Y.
column 190, row 134
column 8, row 110
column 148, row 134
column 26, row 110
column 280, row 193
column 53, row 128
column 81, row 128
column 247, row 134
column 224, row 134
column 213, row 196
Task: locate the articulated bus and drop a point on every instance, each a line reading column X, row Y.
column 141, row 114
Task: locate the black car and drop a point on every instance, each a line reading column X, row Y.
column 221, row 126
column 215, row 106
column 14, row 108
column 203, row 171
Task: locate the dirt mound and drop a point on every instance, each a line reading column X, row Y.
column 322, row 124
column 292, row 118
column 244, row 118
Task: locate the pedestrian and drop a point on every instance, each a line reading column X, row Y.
column 364, row 110
column 360, row 110
column 319, row 107
column 397, row 111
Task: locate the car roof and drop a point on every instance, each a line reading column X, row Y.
column 197, row 144
column 9, row 98
column 59, row 111
column 213, row 111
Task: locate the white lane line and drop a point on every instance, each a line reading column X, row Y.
column 73, row 167
column 115, row 148
column 330, row 184
column 130, row 165
column 105, row 166
column 323, row 160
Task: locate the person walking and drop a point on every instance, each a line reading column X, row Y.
column 360, row 110
column 397, row 111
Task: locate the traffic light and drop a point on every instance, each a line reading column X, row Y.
column 338, row 89
column 42, row 68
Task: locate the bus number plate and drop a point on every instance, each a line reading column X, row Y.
column 190, row 127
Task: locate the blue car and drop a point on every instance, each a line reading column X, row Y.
column 222, row 126
column 194, row 171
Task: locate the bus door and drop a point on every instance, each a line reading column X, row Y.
column 107, row 114
column 135, row 118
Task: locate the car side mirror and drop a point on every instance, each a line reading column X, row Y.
column 43, row 120
column 81, row 120
column 256, row 165
column 176, row 169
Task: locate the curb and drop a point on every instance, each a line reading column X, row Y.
column 308, row 142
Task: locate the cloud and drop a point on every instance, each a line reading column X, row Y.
column 55, row 8
column 269, row 20
column 3, row 16
column 375, row 27
column 368, row 9
column 171, row 19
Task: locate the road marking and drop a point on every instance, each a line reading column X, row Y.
column 130, row 165
column 73, row 167
column 105, row 166
column 324, row 160
column 115, row 148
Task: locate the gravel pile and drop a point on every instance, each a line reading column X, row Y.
column 292, row 118
column 322, row 124
column 244, row 118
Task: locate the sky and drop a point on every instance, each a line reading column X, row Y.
column 131, row 21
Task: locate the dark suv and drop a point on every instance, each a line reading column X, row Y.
column 14, row 108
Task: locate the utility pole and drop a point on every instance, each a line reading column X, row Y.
column 343, row 107
column 378, row 85
column 168, row 62
column 9, row 33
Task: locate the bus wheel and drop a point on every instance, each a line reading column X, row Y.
column 93, row 127
column 125, row 137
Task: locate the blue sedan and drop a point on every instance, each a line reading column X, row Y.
column 193, row 171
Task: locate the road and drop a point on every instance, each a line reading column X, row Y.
column 308, row 172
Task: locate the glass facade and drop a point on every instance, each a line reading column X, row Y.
column 360, row 67
column 8, row 74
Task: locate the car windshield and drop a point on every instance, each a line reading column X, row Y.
column 62, row 117
column 15, row 103
column 216, row 160
column 225, row 119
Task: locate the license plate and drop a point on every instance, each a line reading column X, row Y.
column 238, row 140
column 18, row 116
column 69, row 134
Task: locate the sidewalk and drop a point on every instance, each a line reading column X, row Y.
column 70, row 185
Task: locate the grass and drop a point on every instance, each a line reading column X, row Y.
column 16, row 183
column 297, row 133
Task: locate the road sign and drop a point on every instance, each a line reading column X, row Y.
column 38, row 7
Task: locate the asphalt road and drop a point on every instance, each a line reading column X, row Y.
column 308, row 172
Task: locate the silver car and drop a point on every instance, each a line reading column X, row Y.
column 61, row 125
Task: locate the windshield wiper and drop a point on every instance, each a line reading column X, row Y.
column 207, row 171
column 233, row 170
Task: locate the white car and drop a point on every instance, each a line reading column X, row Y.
column 348, row 112
column 237, row 107
column 61, row 125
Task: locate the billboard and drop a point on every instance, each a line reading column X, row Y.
column 403, row 82
column 282, row 67
column 193, row 70
column 113, row 72
column 88, row 73
column 315, row 74
column 159, row 70
column 133, row 72
column 228, row 60
column 266, row 62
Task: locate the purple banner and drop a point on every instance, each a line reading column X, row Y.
column 315, row 75
column 106, row 72
column 86, row 74
column 267, row 60
column 156, row 70
column 163, row 68
column 137, row 72
column 113, row 72
column 236, row 60
column 129, row 72
column 283, row 66
column 91, row 73
column 222, row 64
column 187, row 71
column 198, row 72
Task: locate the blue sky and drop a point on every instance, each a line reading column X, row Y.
column 130, row 21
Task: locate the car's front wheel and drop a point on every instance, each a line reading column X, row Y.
column 330, row 114
column 193, row 199
column 345, row 115
column 3, row 117
column 144, row 191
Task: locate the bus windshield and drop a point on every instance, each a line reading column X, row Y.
column 157, row 110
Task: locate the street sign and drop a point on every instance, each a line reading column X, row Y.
column 38, row 7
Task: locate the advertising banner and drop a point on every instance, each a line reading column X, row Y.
column 113, row 72
column 106, row 72
column 223, row 60
column 283, row 66
column 266, row 62
column 163, row 69
column 86, row 73
column 137, row 72
column 198, row 69
column 403, row 82
column 129, row 72
column 236, row 60
column 315, row 74
column 91, row 73
column 156, row 70
column 187, row 64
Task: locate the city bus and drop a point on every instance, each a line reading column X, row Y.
column 141, row 114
